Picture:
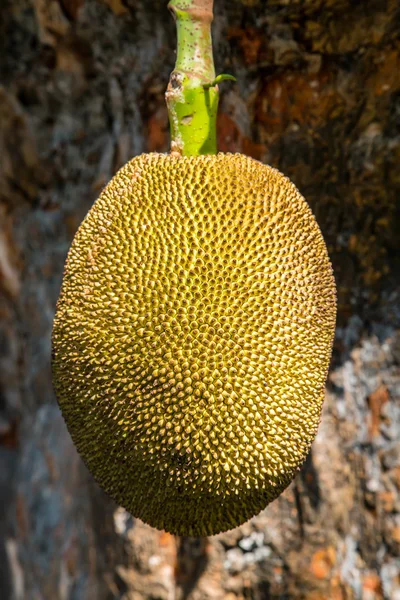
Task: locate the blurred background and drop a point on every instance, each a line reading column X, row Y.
column 318, row 95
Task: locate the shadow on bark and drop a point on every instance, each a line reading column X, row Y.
column 191, row 563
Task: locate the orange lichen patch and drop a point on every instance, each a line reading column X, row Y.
column 231, row 139
column 166, row 539
column 157, row 136
column 387, row 499
column 396, row 534
column 167, row 548
column 337, row 592
column 301, row 98
column 318, row 595
column 376, row 400
column 277, row 570
column 372, row 583
column 396, row 477
column 250, row 41
column 322, row 562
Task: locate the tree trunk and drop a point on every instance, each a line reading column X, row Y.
column 82, row 87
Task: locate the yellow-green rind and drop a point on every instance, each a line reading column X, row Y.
column 192, row 338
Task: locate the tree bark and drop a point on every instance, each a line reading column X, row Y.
column 82, row 87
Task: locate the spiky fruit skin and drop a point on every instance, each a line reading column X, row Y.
column 192, row 338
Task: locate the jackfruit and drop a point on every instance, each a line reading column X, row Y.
column 192, row 338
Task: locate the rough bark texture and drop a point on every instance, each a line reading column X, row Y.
column 82, row 90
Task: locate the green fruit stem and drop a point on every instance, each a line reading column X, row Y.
column 192, row 93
